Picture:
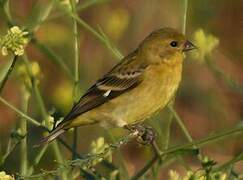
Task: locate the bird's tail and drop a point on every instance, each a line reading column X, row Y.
column 53, row 135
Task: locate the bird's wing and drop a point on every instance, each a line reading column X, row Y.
column 119, row 80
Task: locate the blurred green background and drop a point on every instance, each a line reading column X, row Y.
column 206, row 100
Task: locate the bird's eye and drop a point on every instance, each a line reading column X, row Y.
column 174, row 44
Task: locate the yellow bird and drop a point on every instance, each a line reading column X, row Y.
column 141, row 84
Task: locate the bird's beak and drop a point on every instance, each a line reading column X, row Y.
column 189, row 46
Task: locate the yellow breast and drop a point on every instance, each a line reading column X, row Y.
column 154, row 92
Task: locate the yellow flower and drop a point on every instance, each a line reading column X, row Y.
column 99, row 146
column 24, row 76
column 206, row 43
column 174, row 175
column 35, row 68
column 4, row 176
column 14, row 41
column 197, row 175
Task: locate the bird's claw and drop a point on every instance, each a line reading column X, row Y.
column 145, row 134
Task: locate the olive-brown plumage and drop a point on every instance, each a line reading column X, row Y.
column 141, row 84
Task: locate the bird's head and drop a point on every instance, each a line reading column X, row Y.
column 165, row 45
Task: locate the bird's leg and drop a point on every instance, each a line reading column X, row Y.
column 146, row 134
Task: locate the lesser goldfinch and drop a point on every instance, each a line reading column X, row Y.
column 141, row 84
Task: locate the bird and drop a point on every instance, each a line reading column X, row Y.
column 140, row 85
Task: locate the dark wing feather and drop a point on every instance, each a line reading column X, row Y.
column 117, row 81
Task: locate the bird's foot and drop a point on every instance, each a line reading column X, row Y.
column 145, row 134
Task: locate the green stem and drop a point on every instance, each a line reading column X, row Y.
column 180, row 123
column 183, row 128
column 76, row 88
column 42, row 11
column 37, row 159
column 8, row 73
column 42, row 47
column 44, row 113
column 144, row 170
column 79, row 8
column 229, row 163
column 121, row 161
column 53, row 56
column 76, row 53
column 38, row 97
column 33, row 121
column 165, row 129
column 99, row 36
column 7, row 14
column 23, row 128
column 207, row 140
column 199, row 143
column 185, row 16
column 87, row 4
column 20, row 113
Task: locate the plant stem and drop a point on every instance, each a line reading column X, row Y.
column 183, row 128
column 121, row 161
column 94, row 32
column 7, row 14
column 143, row 171
column 185, row 16
column 23, row 128
column 37, row 159
column 42, row 47
column 44, row 114
column 76, row 53
column 98, row 35
column 79, row 8
column 33, row 121
column 229, row 163
column 8, row 73
column 180, row 123
column 20, row 113
column 199, row 143
column 39, row 15
column 76, row 89
column 38, row 97
column 207, row 140
column 53, row 56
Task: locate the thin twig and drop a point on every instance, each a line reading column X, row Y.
column 81, row 7
column 20, row 113
column 100, row 36
column 229, row 163
column 180, row 123
column 37, row 160
column 8, row 73
column 23, row 128
column 121, row 161
column 44, row 113
column 76, row 88
column 185, row 16
column 53, row 56
column 145, row 168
